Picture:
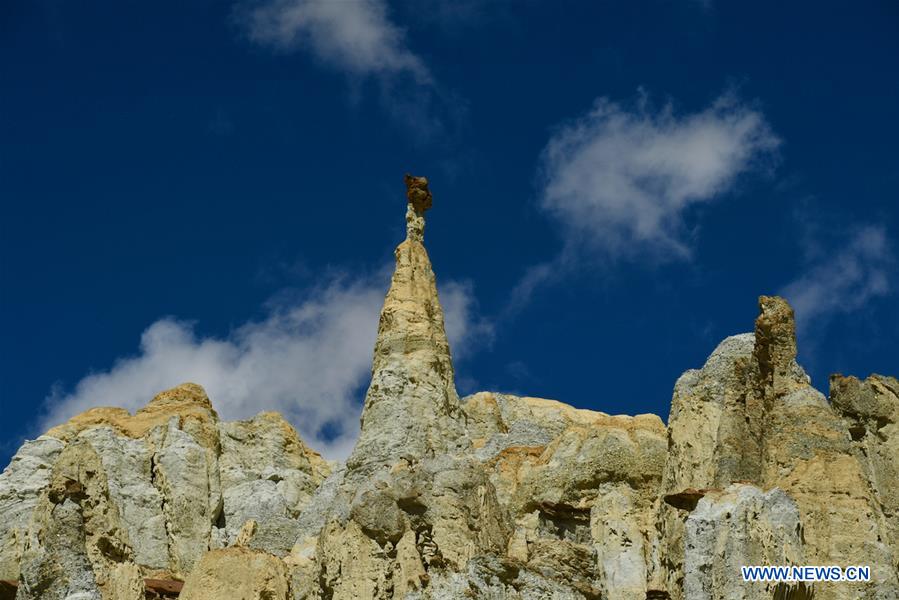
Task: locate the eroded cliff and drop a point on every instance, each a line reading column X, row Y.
column 489, row 496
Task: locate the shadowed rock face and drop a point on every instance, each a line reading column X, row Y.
column 490, row 496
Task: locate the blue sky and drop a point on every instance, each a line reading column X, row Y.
column 211, row 191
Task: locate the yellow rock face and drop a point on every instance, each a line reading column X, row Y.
column 237, row 574
column 188, row 402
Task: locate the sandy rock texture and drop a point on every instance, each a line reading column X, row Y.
column 237, row 573
column 412, row 407
column 491, row 496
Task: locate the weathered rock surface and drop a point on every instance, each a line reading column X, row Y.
column 77, row 547
column 492, row 496
column 268, row 475
column 237, row 573
column 21, row 485
column 580, row 487
column 752, row 397
column 412, row 407
column 870, row 411
column 412, row 499
column 109, row 498
column 737, row 527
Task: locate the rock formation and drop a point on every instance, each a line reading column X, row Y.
column 490, row 496
column 109, row 499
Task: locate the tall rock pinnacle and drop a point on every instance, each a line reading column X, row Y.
column 412, row 407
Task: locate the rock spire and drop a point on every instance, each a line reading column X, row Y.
column 412, row 407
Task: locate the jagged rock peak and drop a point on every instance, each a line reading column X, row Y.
column 412, row 407
column 775, row 348
column 185, row 396
column 187, row 401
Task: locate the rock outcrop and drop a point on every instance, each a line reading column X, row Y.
column 751, row 416
column 108, row 499
column 491, row 496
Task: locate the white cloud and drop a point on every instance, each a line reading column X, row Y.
column 844, row 280
column 620, row 181
column 309, row 359
column 355, row 36
column 359, row 39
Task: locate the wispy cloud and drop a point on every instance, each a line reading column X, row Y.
column 359, row 39
column 843, row 280
column 621, row 180
column 357, row 36
column 309, row 359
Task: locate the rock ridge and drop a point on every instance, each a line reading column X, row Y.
column 489, row 496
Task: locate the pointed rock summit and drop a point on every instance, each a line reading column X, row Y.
column 412, row 407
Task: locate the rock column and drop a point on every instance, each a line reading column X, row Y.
column 411, row 408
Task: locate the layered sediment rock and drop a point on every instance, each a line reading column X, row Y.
column 490, row 496
column 580, row 487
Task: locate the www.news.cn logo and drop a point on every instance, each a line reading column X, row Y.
column 806, row 573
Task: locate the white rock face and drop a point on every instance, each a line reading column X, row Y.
column 60, row 569
column 21, row 485
column 492, row 579
column 712, row 438
column 76, row 544
column 187, row 477
column 741, row 526
column 128, row 464
column 622, row 552
column 267, row 475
